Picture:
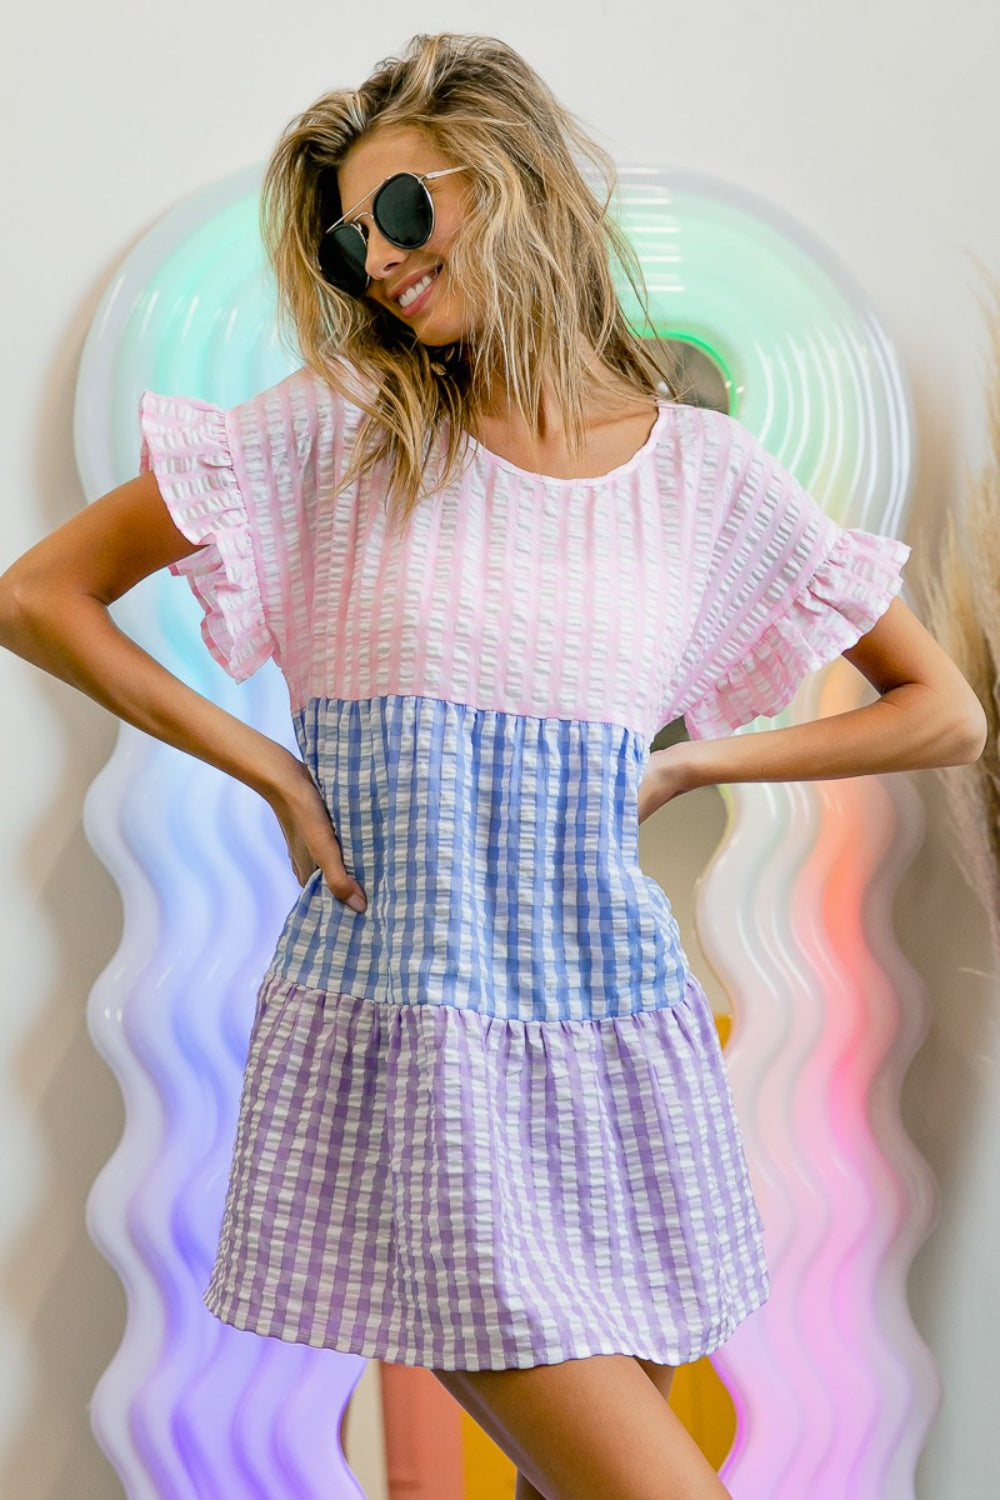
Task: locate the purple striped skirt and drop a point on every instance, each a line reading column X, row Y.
column 429, row 1185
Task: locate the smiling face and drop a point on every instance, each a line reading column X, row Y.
column 440, row 313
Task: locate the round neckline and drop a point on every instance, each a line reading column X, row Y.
column 663, row 406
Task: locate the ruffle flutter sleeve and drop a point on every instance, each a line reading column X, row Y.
column 782, row 590
column 187, row 444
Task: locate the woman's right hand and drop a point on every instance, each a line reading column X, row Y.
column 310, row 835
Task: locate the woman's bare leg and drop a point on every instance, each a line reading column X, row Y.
column 525, row 1490
column 662, row 1377
column 587, row 1429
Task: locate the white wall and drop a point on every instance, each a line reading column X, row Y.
column 873, row 123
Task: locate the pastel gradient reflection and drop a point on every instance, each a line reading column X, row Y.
column 833, row 1388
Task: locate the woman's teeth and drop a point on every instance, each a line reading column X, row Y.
column 412, row 292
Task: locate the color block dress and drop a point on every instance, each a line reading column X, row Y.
column 487, row 1123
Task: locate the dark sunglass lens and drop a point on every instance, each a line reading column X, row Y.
column 342, row 255
column 403, row 211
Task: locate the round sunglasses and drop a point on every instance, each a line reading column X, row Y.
column 403, row 211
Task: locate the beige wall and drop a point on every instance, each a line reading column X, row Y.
column 874, row 124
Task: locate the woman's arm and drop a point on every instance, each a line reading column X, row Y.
column 53, row 612
column 927, row 715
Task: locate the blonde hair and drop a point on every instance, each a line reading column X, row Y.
column 534, row 251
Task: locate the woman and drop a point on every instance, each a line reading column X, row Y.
column 485, row 1124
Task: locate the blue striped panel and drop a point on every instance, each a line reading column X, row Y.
column 499, row 856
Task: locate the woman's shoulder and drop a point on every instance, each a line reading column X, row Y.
column 304, row 414
column 341, row 392
column 712, row 452
column 707, row 421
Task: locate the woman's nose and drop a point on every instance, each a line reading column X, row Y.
column 382, row 255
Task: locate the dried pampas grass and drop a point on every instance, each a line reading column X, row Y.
column 963, row 610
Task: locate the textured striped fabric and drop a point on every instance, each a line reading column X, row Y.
column 486, row 1123
column 467, row 906
column 431, row 1185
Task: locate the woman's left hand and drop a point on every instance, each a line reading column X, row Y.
column 663, row 779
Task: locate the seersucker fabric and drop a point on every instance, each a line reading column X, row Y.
column 487, row 1123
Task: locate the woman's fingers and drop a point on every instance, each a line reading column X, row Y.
column 325, row 847
column 312, row 839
